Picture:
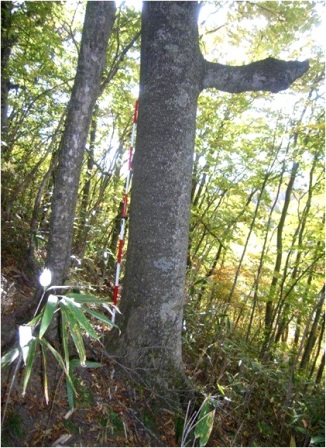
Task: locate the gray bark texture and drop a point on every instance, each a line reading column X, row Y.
column 153, row 288
column 6, row 46
column 173, row 73
column 269, row 74
column 98, row 24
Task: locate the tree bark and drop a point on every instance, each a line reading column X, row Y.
column 263, row 252
column 153, row 292
column 298, row 238
column 98, row 23
column 320, row 372
column 173, row 72
column 251, row 229
column 321, row 340
column 8, row 39
column 271, row 75
column 269, row 309
column 83, row 227
column 313, row 331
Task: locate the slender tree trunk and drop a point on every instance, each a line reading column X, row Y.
column 209, row 273
column 98, row 23
column 278, row 261
column 313, row 331
column 262, row 256
column 298, row 239
column 37, row 206
column 297, row 330
column 8, row 39
column 296, row 357
column 267, row 175
column 321, row 368
column 321, row 340
column 83, row 226
column 24, row 185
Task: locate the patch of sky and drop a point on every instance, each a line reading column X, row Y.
column 135, row 4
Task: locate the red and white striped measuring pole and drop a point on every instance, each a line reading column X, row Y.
column 124, row 210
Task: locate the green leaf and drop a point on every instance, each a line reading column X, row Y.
column 59, row 359
column 88, row 364
column 318, row 439
column 35, row 320
column 221, row 389
column 64, row 334
column 29, row 362
column 71, row 392
column 77, row 336
column 205, row 422
column 45, row 373
column 9, row 357
column 78, row 314
column 204, row 428
column 48, row 313
column 100, row 317
column 85, row 298
column 56, row 354
column 292, row 441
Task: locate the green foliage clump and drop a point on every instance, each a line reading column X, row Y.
column 73, row 309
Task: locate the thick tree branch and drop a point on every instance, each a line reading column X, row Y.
column 270, row 74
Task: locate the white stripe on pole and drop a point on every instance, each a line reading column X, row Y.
column 117, row 274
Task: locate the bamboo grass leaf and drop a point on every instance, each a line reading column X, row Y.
column 85, row 298
column 29, row 362
column 65, row 337
column 88, row 364
column 71, row 392
column 59, row 359
column 77, row 336
column 205, row 422
column 45, row 373
column 48, row 313
column 35, row 320
column 100, row 317
column 54, row 352
column 79, row 343
column 204, row 428
column 9, row 357
column 78, row 314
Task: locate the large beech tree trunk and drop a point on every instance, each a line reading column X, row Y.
column 98, row 23
column 173, row 73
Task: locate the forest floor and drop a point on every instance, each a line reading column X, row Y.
column 111, row 409
column 114, row 409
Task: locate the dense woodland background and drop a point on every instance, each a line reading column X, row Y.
column 255, row 280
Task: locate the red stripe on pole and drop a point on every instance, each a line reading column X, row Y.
column 135, row 117
column 124, row 206
column 121, row 243
column 115, row 294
